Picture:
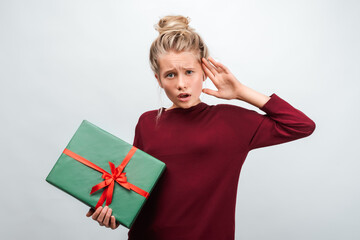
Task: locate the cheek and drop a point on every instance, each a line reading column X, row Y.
column 168, row 90
column 198, row 86
column 200, row 81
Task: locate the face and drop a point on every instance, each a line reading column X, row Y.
column 181, row 76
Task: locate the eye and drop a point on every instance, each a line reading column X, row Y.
column 169, row 74
column 189, row 71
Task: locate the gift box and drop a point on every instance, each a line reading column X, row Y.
column 99, row 169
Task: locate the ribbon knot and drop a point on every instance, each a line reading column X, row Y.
column 117, row 175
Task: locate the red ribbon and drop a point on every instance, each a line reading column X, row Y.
column 117, row 175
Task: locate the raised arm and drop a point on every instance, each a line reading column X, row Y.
column 282, row 122
column 251, row 96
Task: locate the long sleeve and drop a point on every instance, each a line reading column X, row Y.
column 282, row 123
column 204, row 148
column 137, row 138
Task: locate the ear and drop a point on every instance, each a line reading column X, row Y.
column 159, row 81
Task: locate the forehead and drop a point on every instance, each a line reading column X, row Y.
column 173, row 59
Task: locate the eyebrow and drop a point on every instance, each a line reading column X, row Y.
column 172, row 69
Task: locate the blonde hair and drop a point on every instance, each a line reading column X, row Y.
column 175, row 34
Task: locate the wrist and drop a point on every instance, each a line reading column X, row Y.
column 240, row 90
column 251, row 96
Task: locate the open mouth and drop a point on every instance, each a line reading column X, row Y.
column 183, row 95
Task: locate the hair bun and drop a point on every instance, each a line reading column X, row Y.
column 173, row 23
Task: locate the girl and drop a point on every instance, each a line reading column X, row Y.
column 203, row 146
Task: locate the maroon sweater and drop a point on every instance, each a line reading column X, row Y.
column 204, row 148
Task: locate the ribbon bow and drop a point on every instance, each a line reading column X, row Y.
column 117, row 175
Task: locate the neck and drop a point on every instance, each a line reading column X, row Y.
column 174, row 106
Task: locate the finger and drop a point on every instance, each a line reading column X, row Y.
column 207, row 71
column 219, row 65
column 209, row 67
column 213, row 62
column 96, row 213
column 107, row 217
column 113, row 223
column 90, row 212
column 210, row 92
column 210, row 75
column 102, row 214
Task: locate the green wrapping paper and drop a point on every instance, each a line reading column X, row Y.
column 100, row 148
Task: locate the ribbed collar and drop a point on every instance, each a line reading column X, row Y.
column 196, row 108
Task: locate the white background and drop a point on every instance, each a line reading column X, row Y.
column 65, row 61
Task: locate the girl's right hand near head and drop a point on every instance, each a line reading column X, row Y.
column 103, row 217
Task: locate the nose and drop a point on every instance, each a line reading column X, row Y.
column 181, row 83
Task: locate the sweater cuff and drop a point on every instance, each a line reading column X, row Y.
column 271, row 103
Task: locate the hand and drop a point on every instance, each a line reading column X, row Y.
column 226, row 83
column 103, row 217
